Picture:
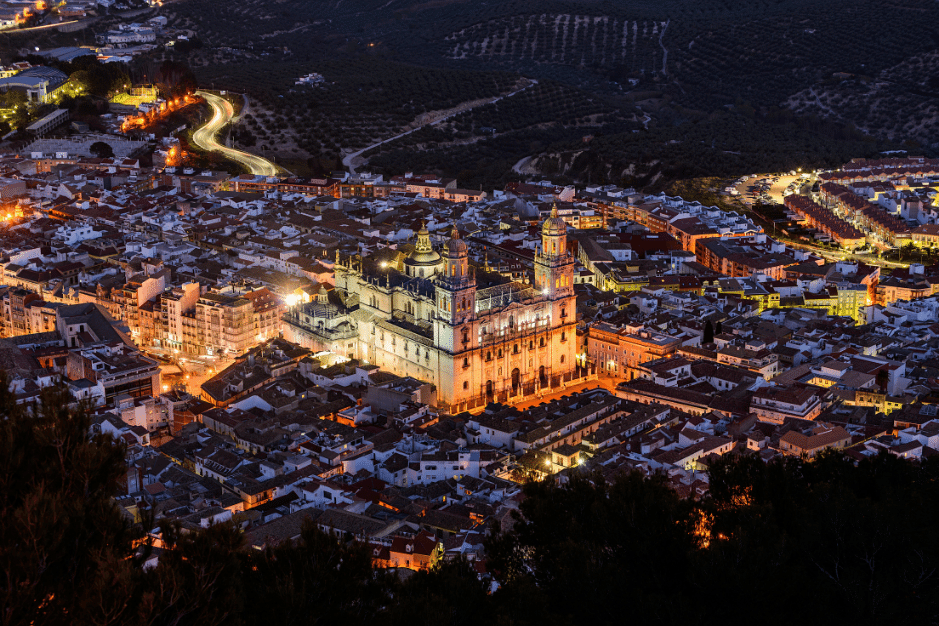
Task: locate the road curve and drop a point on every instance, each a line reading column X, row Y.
column 348, row 160
column 204, row 137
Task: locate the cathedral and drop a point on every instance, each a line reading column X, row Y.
column 476, row 336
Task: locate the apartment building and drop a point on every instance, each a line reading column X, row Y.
column 619, row 351
column 775, row 404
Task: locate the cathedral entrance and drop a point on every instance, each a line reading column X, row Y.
column 516, row 381
column 542, row 377
column 489, row 392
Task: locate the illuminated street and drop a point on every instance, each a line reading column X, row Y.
column 205, row 137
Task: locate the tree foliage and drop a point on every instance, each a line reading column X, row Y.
column 838, row 541
column 59, row 524
column 102, row 150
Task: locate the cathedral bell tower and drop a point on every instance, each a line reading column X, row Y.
column 554, row 266
column 455, row 291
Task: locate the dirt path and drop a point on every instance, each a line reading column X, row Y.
column 664, row 49
column 353, row 160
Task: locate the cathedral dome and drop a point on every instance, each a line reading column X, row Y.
column 456, row 247
column 423, row 253
column 554, row 226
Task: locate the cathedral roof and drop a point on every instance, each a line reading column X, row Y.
column 554, row 226
column 423, row 253
column 456, row 247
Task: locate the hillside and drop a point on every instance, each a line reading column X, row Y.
column 626, row 67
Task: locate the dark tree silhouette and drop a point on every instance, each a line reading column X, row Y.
column 708, row 335
column 102, row 150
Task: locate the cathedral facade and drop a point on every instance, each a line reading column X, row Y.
column 427, row 317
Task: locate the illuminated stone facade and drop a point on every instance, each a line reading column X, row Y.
column 502, row 342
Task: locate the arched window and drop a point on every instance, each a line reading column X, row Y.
column 562, row 358
column 465, row 385
column 489, row 356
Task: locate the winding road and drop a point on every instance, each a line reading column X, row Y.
column 204, row 137
column 349, row 160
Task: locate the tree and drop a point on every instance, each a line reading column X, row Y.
column 102, row 150
column 708, row 336
column 59, row 523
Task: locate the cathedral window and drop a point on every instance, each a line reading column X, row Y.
column 563, row 312
column 562, row 358
column 531, row 344
column 465, row 385
column 489, row 356
column 515, row 349
column 500, row 356
column 465, row 362
column 563, row 336
column 465, row 336
column 541, row 342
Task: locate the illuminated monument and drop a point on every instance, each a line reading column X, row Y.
column 500, row 341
